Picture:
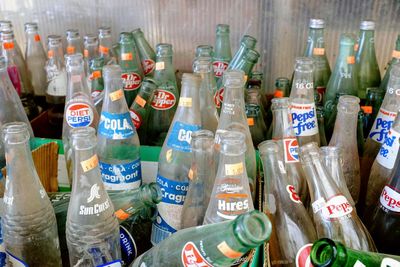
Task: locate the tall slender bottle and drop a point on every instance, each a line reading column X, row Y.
column 27, row 208
column 395, row 59
column 368, row 73
column 74, row 42
column 205, row 51
column 174, row 161
column 35, row 58
column 105, row 45
column 222, row 50
column 146, row 53
column 304, row 116
column 166, row 97
column 316, row 50
column 118, row 142
column 92, row 231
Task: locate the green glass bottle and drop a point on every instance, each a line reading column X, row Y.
column 219, row 244
column 97, row 82
column 395, row 59
column 316, row 50
column 204, row 51
column 116, row 51
column 146, row 53
column 222, row 51
column 368, row 73
column 371, row 107
column 254, row 113
column 343, row 79
column 328, row 253
column 132, row 73
column 247, row 42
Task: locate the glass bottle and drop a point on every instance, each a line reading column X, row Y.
column 204, row 51
column 210, row 245
column 6, row 25
column 316, row 50
column 91, row 50
column 201, row 179
column 74, row 42
column 345, row 136
column 328, row 253
column 222, row 50
column 116, row 50
column 97, row 82
column 360, row 133
column 92, row 229
column 368, row 73
column 282, row 88
column 304, row 117
column 132, row 73
column 233, row 117
column 174, row 160
column 35, row 58
column 256, row 83
column 165, row 102
column 321, row 126
column 146, row 53
column 209, row 115
column 247, row 42
column 395, row 60
column 254, row 113
column 118, row 143
column 27, row 209
column 371, row 108
column 332, row 109
column 334, row 217
column 105, row 45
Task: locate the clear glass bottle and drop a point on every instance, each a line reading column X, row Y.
column 74, row 42
column 6, row 25
column 105, row 45
column 92, row 230
column 231, row 195
column 222, row 50
column 146, row 53
column 27, row 208
column 254, row 113
column 90, row 51
column 118, row 143
column 204, row 51
column 282, row 87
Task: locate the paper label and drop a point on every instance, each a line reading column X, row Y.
column 396, row 54
column 126, row 56
column 318, row 51
column 148, row 66
column 191, row 256
column 351, row 60
column 70, row 50
column 388, row 152
column 337, row 207
column 50, row 53
column 95, row 75
column 367, row 109
column 181, row 135
column 128, row 246
column 250, row 121
column 225, row 249
column 90, row 164
column 116, row 126
column 86, row 53
column 116, row 263
column 79, row 115
column 304, row 119
column 121, row 176
column 219, row 68
column 303, row 258
column 15, row 262
column 132, row 81
column 291, row 149
column 116, row 95
column 37, row 38
column 234, row 169
column 390, row 199
column 103, row 49
column 140, row 101
column 163, row 100
column 8, row 46
column 382, row 124
column 388, row 262
column 278, row 93
column 185, row 102
column 136, row 118
column 160, row 65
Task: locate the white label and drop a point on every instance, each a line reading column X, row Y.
column 160, row 65
column 337, row 207
column 390, row 199
column 318, row 204
column 304, row 119
column 388, row 153
column 382, row 125
column 57, row 81
column 358, row 264
column 390, row 262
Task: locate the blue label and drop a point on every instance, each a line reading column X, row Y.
column 382, row 125
column 304, row 119
column 79, row 115
column 181, row 135
column 116, row 263
column 116, row 125
column 128, row 246
column 121, row 176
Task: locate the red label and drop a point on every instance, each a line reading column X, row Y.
column 132, row 81
column 148, row 66
column 303, row 256
column 293, row 194
column 163, row 100
column 136, row 118
column 191, row 256
column 219, row 97
column 219, row 68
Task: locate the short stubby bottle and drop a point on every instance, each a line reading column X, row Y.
column 222, row 50
column 146, row 53
column 175, row 160
column 304, row 116
column 92, row 230
column 118, row 143
column 74, row 42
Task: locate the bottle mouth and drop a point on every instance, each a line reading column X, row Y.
column 5, row 25
column 253, row 228
column 202, row 64
column 90, row 38
column 72, row 34
column 137, row 31
column 222, row 28
column 233, row 140
column 280, row 103
column 15, row 132
column 249, row 41
column 323, row 252
column 164, row 50
column 149, row 83
column 268, row 146
column 191, row 78
column 234, row 78
column 317, row 23
column 309, row 152
column 53, row 39
column 202, row 140
column 125, row 37
column 348, row 104
column 7, row 35
column 31, row 26
column 252, row 55
column 113, row 70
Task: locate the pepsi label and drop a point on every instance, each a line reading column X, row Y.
column 337, row 207
column 291, row 149
column 79, row 115
column 388, row 153
column 116, row 126
column 304, row 119
column 382, row 125
column 121, row 176
column 390, row 199
column 181, row 135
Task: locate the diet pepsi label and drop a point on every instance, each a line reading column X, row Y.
column 128, row 246
column 116, row 126
column 191, row 256
column 121, row 176
column 148, row 66
column 388, row 153
column 79, row 115
column 382, row 125
column 304, row 119
column 168, row 219
column 337, row 207
column 390, row 199
column 219, row 68
column 291, row 149
column 181, row 135
column 163, row 100
column 132, row 81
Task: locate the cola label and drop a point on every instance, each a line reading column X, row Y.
column 136, row 118
column 232, row 200
column 219, row 68
column 219, row 97
column 293, row 194
column 132, row 81
column 304, row 119
column 181, row 135
column 116, row 126
column 148, row 66
column 303, row 258
column 390, row 199
column 163, row 100
column 191, row 256
column 388, row 153
column 382, row 125
column 79, row 115
column 122, row 176
column 337, row 207
column 291, row 149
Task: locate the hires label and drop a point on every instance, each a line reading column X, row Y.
column 382, row 125
column 132, row 81
column 148, row 66
column 388, row 153
column 181, row 135
column 128, row 246
column 390, row 199
column 163, row 100
column 191, row 256
column 97, row 208
column 337, row 207
column 136, row 118
column 79, row 115
column 304, row 119
column 116, row 126
column 291, row 149
column 121, row 176
column 219, row 68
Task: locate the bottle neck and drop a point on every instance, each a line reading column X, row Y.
column 302, row 87
column 345, row 62
column 105, row 46
column 233, row 101
column 91, row 51
column 222, row 50
column 203, row 158
column 246, row 66
column 188, row 108
column 114, row 100
column 281, row 123
column 143, row 46
column 9, row 52
column 366, row 43
column 315, row 40
column 238, row 56
column 77, row 84
column 74, row 46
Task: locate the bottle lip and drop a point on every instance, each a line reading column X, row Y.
column 331, row 151
column 252, row 55
column 5, row 25
column 137, row 31
column 348, row 104
column 112, row 70
column 204, row 51
column 317, row 23
column 222, row 28
column 268, row 146
column 90, row 38
column 31, row 26
column 7, row 35
column 253, row 228
column 367, row 25
column 233, row 140
column 249, row 41
column 330, row 252
column 18, row 130
column 202, row 139
column 104, row 31
column 72, row 34
column 164, row 50
column 233, row 78
column 309, row 152
column 53, row 40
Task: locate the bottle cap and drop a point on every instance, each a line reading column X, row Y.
column 5, row 25
column 31, row 26
column 222, row 28
column 367, row 25
column 72, row 34
column 317, row 23
column 104, row 31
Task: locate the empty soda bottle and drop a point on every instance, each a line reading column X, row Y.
column 395, row 59
column 233, row 117
column 35, row 58
column 368, row 73
column 304, row 117
column 282, row 87
column 254, row 114
column 222, row 50
column 247, row 42
column 146, row 53
column 210, row 245
column 201, row 179
column 328, row 253
column 132, row 73
column 74, row 42
column 231, row 195
column 293, row 226
column 373, row 102
column 321, row 126
column 345, row 136
column 92, row 229
column 316, row 50
column 165, row 102
column 29, row 225
column 209, row 115
column 6, row 25
column 256, row 83
column 97, row 81
column 333, row 215
column 332, row 109
column 105, row 45
column 118, row 143
column 90, row 51
column 204, row 51
column 174, row 161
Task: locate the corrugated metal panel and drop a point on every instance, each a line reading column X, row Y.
column 279, row 25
